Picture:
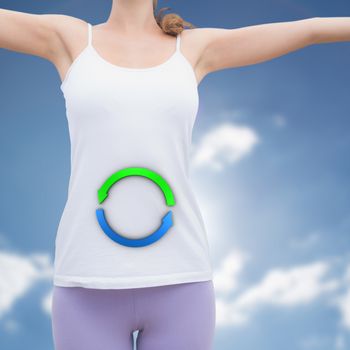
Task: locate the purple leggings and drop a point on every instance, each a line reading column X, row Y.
column 169, row 317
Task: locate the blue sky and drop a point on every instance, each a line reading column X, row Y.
column 270, row 168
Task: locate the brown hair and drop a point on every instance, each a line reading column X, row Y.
column 171, row 23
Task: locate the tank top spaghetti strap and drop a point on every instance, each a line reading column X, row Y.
column 90, row 50
column 131, row 218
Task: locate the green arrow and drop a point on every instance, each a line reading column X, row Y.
column 136, row 171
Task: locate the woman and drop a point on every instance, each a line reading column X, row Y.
column 130, row 87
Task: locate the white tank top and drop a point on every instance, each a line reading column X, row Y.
column 131, row 218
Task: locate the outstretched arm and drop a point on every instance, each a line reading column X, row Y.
column 228, row 48
column 28, row 33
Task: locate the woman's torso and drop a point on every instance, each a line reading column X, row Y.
column 119, row 118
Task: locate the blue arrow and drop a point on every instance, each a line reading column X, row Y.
column 167, row 222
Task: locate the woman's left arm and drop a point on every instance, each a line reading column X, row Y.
column 228, row 48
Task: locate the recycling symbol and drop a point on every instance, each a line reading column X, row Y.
column 166, row 222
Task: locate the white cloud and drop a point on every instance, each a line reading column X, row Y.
column 296, row 285
column 46, row 302
column 227, row 314
column 343, row 303
column 280, row 287
column 18, row 274
column 226, row 143
column 226, row 276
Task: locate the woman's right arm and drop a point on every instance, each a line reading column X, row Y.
column 34, row 34
column 45, row 35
